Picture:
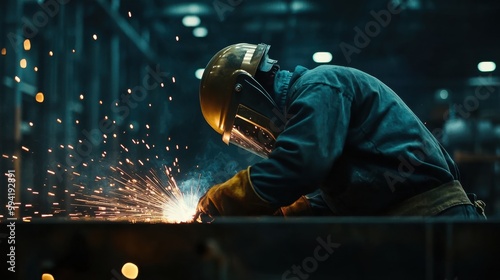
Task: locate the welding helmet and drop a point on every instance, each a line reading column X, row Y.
column 234, row 103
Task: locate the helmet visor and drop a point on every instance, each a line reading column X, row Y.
column 251, row 136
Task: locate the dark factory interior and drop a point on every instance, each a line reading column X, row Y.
column 106, row 152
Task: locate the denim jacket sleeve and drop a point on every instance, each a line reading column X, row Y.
column 318, row 118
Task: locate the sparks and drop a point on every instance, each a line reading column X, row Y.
column 134, row 197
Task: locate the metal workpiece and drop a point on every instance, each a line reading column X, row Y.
column 262, row 248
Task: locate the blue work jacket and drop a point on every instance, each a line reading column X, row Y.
column 351, row 136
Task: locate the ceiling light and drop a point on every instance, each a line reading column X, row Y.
column 486, row 66
column 443, row 94
column 200, row 32
column 322, row 57
column 191, row 21
column 199, row 73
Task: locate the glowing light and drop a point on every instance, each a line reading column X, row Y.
column 35, row 68
column 486, row 66
column 77, row 121
column 200, row 32
column 47, row 276
column 131, row 126
column 191, row 21
column 81, row 96
column 177, row 38
column 95, row 37
column 25, row 148
column 181, row 210
column 443, row 94
column 143, row 197
column 4, row 51
column 162, row 84
column 170, row 98
column 51, row 53
column 73, row 51
column 199, row 73
column 39, row 97
column 17, row 79
column 23, row 63
column 129, row 91
column 322, row 57
column 129, row 14
column 31, row 123
column 173, row 79
column 130, row 270
column 27, row 45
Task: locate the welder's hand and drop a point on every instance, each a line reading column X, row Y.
column 235, row 197
column 301, row 207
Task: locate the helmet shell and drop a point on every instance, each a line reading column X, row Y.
column 219, row 79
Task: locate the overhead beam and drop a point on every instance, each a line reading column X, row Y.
column 129, row 31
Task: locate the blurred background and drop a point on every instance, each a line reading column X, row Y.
column 90, row 86
column 99, row 110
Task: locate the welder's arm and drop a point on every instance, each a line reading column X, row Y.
column 235, row 197
column 301, row 207
column 311, row 204
column 313, row 139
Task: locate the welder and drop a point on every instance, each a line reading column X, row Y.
column 334, row 141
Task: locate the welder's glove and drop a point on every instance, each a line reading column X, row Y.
column 235, row 197
column 301, row 207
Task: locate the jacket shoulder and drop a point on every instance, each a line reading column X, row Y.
column 331, row 75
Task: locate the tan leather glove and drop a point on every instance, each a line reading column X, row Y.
column 235, row 197
column 301, row 207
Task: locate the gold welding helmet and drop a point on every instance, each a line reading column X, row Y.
column 234, row 104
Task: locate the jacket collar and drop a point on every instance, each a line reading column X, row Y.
column 282, row 83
